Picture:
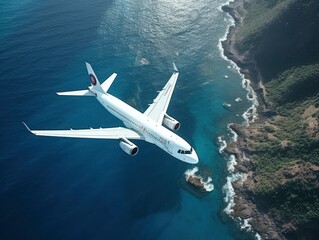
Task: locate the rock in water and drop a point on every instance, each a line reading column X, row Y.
column 226, row 105
column 237, row 100
column 197, row 181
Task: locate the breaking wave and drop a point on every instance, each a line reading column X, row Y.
column 250, row 115
column 229, row 191
column 208, row 185
column 234, row 134
column 222, row 144
column 231, row 163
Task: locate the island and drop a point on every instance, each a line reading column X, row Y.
column 275, row 43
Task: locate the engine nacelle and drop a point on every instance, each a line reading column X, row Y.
column 171, row 123
column 128, row 147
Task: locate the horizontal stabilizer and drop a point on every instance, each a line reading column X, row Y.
column 108, row 82
column 76, row 93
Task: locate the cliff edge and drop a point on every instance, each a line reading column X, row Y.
column 276, row 45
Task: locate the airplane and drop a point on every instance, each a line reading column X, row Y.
column 146, row 126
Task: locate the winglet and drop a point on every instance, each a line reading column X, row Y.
column 27, row 127
column 175, row 68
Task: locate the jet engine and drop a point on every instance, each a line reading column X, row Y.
column 171, row 123
column 128, row 147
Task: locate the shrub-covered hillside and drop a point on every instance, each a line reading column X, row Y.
column 282, row 37
column 280, row 34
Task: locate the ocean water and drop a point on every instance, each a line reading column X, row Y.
column 54, row 188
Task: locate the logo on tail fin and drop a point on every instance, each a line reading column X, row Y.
column 92, row 79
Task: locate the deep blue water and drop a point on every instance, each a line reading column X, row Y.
column 54, row 188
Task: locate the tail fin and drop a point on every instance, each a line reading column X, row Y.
column 93, row 79
column 95, row 85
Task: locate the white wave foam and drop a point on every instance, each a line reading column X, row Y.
column 245, row 226
column 257, row 237
column 223, row 38
column 229, row 191
column 190, row 172
column 231, row 163
column 235, row 135
column 229, row 198
column 250, row 116
column 222, row 144
column 208, row 185
column 220, row 7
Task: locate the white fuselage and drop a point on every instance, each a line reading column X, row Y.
column 151, row 131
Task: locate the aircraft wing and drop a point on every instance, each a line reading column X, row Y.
column 160, row 104
column 98, row 133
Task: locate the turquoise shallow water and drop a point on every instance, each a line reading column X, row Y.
column 89, row 189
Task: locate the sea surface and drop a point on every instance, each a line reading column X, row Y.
column 57, row 188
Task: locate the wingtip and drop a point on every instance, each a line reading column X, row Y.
column 27, row 127
column 175, row 68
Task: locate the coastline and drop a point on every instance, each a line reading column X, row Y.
column 243, row 61
column 243, row 206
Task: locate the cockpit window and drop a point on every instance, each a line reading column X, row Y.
column 185, row 152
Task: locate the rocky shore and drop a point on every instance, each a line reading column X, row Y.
column 246, row 207
column 245, row 60
column 273, row 182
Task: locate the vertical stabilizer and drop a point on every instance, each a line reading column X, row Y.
column 93, row 79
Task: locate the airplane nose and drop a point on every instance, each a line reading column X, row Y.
column 193, row 158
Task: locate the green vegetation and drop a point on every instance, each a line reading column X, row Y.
column 294, row 84
column 285, row 163
column 260, row 16
column 296, row 201
column 281, row 36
